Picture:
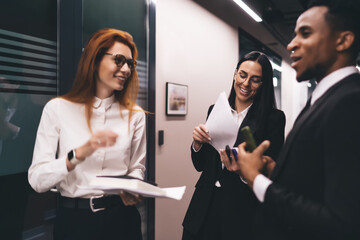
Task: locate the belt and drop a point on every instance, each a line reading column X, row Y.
column 95, row 203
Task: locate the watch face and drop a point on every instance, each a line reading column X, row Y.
column 70, row 155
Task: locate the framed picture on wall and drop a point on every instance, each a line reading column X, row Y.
column 176, row 99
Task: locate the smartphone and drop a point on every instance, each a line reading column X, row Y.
column 249, row 139
column 227, row 150
column 234, row 151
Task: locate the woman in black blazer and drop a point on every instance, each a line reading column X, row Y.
column 214, row 211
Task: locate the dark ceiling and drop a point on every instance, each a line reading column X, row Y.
column 279, row 17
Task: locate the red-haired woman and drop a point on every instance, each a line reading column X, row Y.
column 95, row 129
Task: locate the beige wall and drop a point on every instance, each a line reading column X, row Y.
column 194, row 48
column 197, row 49
column 293, row 95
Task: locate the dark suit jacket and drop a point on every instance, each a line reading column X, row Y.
column 239, row 201
column 315, row 194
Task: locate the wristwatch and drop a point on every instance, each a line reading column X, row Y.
column 72, row 157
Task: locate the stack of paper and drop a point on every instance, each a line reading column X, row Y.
column 113, row 185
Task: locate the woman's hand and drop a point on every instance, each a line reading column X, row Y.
column 102, row 138
column 130, row 199
column 230, row 164
column 249, row 165
column 200, row 136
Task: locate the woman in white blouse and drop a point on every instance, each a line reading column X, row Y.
column 95, row 129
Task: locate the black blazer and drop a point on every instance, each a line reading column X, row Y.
column 315, row 194
column 239, row 200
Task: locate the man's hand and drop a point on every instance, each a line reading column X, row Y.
column 251, row 164
column 270, row 165
column 248, row 165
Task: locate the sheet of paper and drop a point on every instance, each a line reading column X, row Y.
column 172, row 192
column 222, row 127
column 175, row 192
column 113, row 185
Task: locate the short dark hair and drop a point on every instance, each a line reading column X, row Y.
column 264, row 100
column 343, row 15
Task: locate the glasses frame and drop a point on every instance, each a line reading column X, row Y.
column 130, row 62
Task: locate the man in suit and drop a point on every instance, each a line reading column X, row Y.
column 313, row 191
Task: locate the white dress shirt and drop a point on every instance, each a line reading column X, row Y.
column 63, row 127
column 261, row 183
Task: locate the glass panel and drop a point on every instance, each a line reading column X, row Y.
column 130, row 16
column 28, row 79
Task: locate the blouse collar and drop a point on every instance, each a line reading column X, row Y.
column 106, row 103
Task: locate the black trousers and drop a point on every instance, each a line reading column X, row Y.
column 118, row 222
column 14, row 191
column 212, row 226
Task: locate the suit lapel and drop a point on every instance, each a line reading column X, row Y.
column 304, row 116
column 246, row 122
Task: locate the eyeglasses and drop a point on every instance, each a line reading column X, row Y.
column 120, row 60
column 254, row 81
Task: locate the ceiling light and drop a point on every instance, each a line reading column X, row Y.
column 248, row 10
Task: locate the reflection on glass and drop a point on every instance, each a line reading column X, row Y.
column 28, row 78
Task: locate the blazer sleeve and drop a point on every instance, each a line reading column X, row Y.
column 275, row 133
column 201, row 157
column 338, row 215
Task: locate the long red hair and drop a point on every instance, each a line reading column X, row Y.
column 84, row 86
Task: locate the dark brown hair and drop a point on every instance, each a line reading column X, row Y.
column 264, row 100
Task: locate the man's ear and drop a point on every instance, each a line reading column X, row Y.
column 345, row 41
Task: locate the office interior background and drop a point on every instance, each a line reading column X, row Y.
column 193, row 43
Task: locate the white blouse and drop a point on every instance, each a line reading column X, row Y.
column 63, row 127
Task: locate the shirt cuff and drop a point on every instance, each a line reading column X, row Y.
column 261, row 184
column 192, row 145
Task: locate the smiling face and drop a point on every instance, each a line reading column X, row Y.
column 313, row 49
column 247, row 82
column 110, row 76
